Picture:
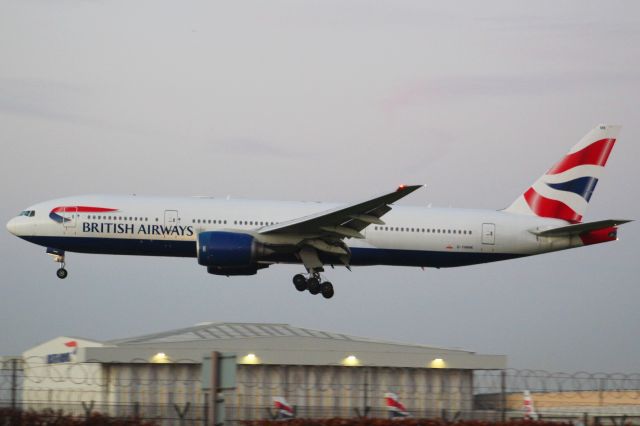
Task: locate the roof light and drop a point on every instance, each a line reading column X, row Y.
column 438, row 363
column 351, row 361
column 250, row 359
column 160, row 358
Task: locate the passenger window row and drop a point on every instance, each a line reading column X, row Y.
column 123, row 218
column 210, row 221
column 253, row 222
column 423, row 230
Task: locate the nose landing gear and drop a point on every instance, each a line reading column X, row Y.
column 58, row 257
column 314, row 284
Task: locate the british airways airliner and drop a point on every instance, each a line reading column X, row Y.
column 239, row 237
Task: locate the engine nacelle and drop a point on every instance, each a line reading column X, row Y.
column 228, row 253
column 228, row 272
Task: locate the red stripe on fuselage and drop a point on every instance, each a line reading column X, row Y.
column 595, row 154
column 546, row 207
column 82, row 209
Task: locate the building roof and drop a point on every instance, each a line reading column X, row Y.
column 282, row 344
column 219, row 331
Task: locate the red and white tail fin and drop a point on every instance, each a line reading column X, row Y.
column 396, row 409
column 565, row 190
column 529, row 411
column 284, row 410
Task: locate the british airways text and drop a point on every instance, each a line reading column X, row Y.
column 130, row 228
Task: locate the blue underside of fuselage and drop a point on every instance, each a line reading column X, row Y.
column 359, row 256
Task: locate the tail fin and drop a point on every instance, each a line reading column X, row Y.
column 565, row 190
column 284, row 410
column 395, row 408
column 529, row 411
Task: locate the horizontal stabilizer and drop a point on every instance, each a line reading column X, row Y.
column 579, row 228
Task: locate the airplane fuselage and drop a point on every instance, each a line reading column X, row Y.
column 165, row 226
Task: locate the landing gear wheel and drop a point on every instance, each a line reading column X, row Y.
column 62, row 273
column 327, row 290
column 300, row 282
column 314, row 285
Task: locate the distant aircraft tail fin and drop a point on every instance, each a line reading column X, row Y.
column 529, row 411
column 564, row 191
column 284, row 410
column 396, row 409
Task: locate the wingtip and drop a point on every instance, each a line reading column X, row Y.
column 404, row 187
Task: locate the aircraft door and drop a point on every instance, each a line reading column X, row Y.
column 70, row 218
column 70, row 215
column 488, row 233
column 170, row 217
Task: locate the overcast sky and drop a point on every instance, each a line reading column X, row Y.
column 324, row 100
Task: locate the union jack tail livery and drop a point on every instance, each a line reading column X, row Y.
column 529, row 412
column 565, row 190
column 284, row 410
column 395, row 408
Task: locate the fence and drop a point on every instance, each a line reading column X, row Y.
column 171, row 392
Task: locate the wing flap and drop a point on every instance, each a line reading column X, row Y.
column 342, row 231
column 367, row 218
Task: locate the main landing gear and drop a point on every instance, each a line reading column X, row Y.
column 58, row 257
column 313, row 284
column 61, row 272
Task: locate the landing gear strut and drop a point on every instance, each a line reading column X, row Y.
column 312, row 263
column 58, row 257
column 314, row 284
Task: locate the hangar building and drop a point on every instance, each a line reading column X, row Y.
column 321, row 373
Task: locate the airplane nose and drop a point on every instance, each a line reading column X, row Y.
column 12, row 227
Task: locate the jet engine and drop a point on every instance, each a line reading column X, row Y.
column 230, row 253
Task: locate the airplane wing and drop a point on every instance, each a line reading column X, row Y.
column 579, row 228
column 342, row 222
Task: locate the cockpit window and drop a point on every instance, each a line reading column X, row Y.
column 27, row 213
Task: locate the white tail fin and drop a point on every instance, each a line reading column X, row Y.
column 284, row 410
column 565, row 190
column 395, row 408
column 529, row 411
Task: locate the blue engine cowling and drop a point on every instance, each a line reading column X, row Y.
column 229, row 253
column 228, row 272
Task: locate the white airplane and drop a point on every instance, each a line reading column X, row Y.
column 239, row 237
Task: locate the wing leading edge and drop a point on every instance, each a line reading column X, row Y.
column 345, row 221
